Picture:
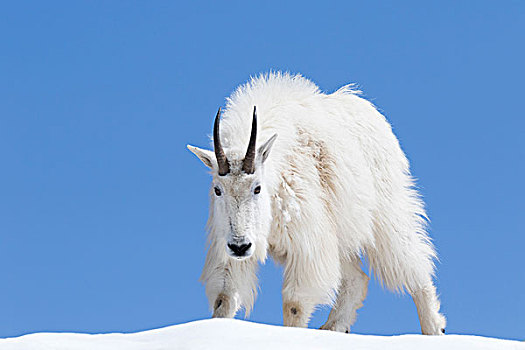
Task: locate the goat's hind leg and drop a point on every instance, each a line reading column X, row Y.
column 427, row 303
column 352, row 293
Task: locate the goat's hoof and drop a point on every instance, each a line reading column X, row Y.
column 336, row 327
column 222, row 307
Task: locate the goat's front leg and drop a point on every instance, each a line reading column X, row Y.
column 310, row 278
column 225, row 306
column 298, row 303
column 230, row 286
column 296, row 313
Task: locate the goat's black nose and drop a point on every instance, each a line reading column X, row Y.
column 239, row 250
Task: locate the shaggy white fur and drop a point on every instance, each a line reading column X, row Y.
column 335, row 187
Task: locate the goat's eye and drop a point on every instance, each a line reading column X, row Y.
column 217, row 191
column 257, row 190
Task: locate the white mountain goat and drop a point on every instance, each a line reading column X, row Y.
column 335, row 187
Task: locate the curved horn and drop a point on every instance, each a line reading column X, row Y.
column 248, row 165
column 222, row 161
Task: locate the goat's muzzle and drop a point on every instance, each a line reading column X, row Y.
column 239, row 249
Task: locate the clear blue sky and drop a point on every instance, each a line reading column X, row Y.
column 102, row 208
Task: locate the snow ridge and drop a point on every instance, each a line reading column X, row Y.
column 227, row 334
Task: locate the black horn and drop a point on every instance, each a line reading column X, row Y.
column 222, row 161
column 248, row 165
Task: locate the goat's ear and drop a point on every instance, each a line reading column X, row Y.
column 264, row 150
column 204, row 155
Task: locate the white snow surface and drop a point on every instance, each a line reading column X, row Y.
column 230, row 334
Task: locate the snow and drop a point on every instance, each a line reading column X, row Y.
column 227, row 334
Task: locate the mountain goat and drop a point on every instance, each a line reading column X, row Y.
column 317, row 181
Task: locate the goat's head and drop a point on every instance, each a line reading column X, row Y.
column 240, row 200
